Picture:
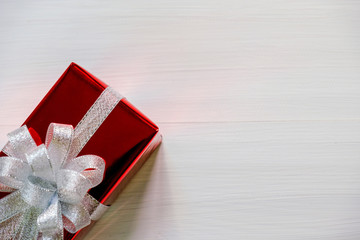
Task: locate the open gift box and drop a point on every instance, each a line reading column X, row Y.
column 124, row 138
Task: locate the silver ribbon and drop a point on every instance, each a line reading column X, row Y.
column 49, row 182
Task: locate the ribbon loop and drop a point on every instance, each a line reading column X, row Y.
column 13, row 172
column 90, row 166
column 58, row 141
column 40, row 163
column 72, row 186
column 21, row 142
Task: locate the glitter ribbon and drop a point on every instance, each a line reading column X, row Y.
column 49, row 182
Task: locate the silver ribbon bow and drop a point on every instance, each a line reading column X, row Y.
column 49, row 183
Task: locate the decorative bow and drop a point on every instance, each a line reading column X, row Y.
column 49, row 185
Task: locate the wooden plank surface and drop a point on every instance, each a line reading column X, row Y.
column 258, row 102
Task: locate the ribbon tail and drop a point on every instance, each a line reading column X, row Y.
column 11, row 205
column 50, row 224
column 13, row 209
column 75, row 217
column 94, row 207
column 28, row 226
column 9, row 227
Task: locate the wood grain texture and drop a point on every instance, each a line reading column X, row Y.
column 258, row 102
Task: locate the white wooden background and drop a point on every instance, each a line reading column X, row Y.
column 258, row 102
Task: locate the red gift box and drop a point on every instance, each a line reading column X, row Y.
column 124, row 140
